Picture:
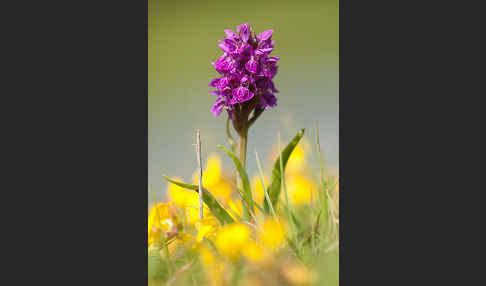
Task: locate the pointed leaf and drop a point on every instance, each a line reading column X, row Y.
column 219, row 212
column 274, row 188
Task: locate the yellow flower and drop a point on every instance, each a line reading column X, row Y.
column 207, row 227
column 207, row 256
column 221, row 191
column 188, row 201
column 213, row 179
column 161, row 219
column 180, row 196
column 300, row 189
column 253, row 251
column 213, row 171
column 184, row 239
column 273, row 234
column 192, row 212
column 298, row 158
column 231, row 240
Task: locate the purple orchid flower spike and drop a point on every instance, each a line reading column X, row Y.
column 245, row 87
column 246, row 72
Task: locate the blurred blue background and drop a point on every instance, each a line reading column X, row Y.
column 182, row 43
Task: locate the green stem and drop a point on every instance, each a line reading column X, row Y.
column 243, row 139
column 243, row 143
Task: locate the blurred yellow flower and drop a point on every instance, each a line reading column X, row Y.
column 300, row 189
column 213, row 179
column 173, row 245
column 221, row 191
column 180, row 196
column 207, row 256
column 192, row 212
column 298, row 158
column 273, row 234
column 212, row 174
column 207, row 227
column 231, row 240
column 188, row 201
column 161, row 219
column 253, row 251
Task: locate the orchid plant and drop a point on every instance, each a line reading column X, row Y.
column 245, row 89
column 245, row 86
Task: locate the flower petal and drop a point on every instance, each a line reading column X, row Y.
column 265, row 35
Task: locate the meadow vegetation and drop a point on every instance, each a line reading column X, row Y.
column 267, row 229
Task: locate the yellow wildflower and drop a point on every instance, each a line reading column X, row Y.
column 221, row 191
column 180, row 196
column 187, row 200
column 231, row 240
column 213, row 179
column 213, row 171
column 298, row 158
column 273, row 234
column 300, row 189
column 161, row 219
column 184, row 239
column 207, row 227
column 253, row 251
column 207, row 256
column 192, row 212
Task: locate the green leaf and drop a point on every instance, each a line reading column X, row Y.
column 219, row 212
column 244, row 180
column 274, row 188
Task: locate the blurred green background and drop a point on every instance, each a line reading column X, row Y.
column 182, row 43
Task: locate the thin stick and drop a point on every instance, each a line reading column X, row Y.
column 199, row 164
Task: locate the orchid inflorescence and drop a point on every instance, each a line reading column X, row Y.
column 246, row 70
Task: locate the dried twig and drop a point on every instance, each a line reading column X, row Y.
column 199, row 165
